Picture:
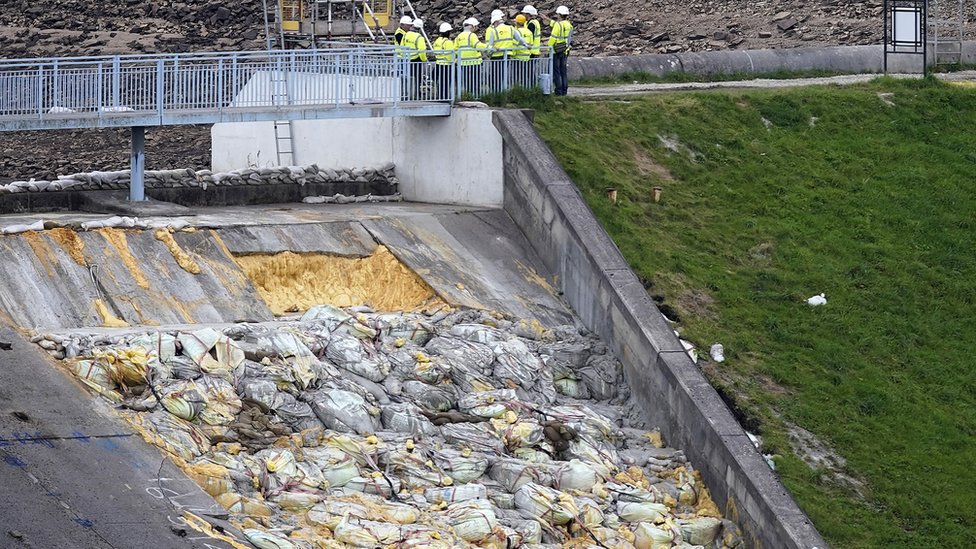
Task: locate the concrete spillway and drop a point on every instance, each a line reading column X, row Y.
column 59, row 276
column 511, row 234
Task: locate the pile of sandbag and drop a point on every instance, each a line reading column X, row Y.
column 156, row 179
column 352, row 428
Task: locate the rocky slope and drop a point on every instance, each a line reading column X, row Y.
column 606, row 27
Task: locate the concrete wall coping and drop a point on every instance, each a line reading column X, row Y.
column 847, row 59
column 611, row 302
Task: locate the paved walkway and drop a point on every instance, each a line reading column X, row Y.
column 758, row 83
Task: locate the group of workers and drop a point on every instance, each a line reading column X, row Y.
column 509, row 47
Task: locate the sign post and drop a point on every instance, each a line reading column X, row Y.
column 905, row 23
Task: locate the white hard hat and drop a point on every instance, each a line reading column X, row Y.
column 418, row 23
column 562, row 10
column 530, row 10
column 446, row 27
column 471, row 22
column 496, row 16
column 405, row 20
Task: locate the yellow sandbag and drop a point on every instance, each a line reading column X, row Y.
column 126, row 367
column 644, row 511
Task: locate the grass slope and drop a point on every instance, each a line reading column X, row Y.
column 837, row 192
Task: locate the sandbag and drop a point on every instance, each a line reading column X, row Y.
column 545, row 504
column 473, row 521
column 575, row 475
column 700, row 530
column 462, row 466
column 450, row 494
column 644, row 511
column 466, row 354
column 515, row 363
column 406, row 418
column 648, row 536
column 343, row 411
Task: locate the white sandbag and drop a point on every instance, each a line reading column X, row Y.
column 473, row 521
column 545, row 504
column 575, row 475
column 461, row 466
column 648, row 536
column 450, row 494
column 343, row 411
column 515, row 363
column 266, row 540
column 488, row 404
column 700, row 530
column 406, row 418
column 366, row 533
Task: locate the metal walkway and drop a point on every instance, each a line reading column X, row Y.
column 208, row 88
column 341, row 81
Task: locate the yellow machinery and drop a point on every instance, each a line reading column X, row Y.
column 312, row 20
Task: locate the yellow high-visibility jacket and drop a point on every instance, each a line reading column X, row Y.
column 560, row 32
column 415, row 46
column 446, row 56
column 469, row 47
column 523, row 53
column 500, row 38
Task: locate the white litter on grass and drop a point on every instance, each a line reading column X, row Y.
column 690, row 349
column 817, row 300
column 718, row 352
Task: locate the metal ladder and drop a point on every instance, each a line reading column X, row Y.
column 283, row 130
column 946, row 20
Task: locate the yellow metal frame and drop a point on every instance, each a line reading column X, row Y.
column 382, row 10
column 292, row 14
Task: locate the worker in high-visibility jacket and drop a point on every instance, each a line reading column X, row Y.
column 470, row 49
column 561, row 42
column 535, row 26
column 415, row 47
column 402, row 30
column 502, row 41
column 445, row 51
column 522, row 74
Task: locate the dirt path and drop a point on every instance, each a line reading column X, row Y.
column 758, row 83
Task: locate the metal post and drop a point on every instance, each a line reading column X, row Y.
column 267, row 27
column 887, row 19
column 137, row 190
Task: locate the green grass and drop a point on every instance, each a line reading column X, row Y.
column 875, row 205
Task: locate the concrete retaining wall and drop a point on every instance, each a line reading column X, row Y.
column 451, row 160
column 850, row 59
column 599, row 285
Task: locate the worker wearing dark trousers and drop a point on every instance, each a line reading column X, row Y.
column 415, row 46
column 560, row 41
column 444, row 51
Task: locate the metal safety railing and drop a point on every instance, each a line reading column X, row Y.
column 32, row 89
column 481, row 77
